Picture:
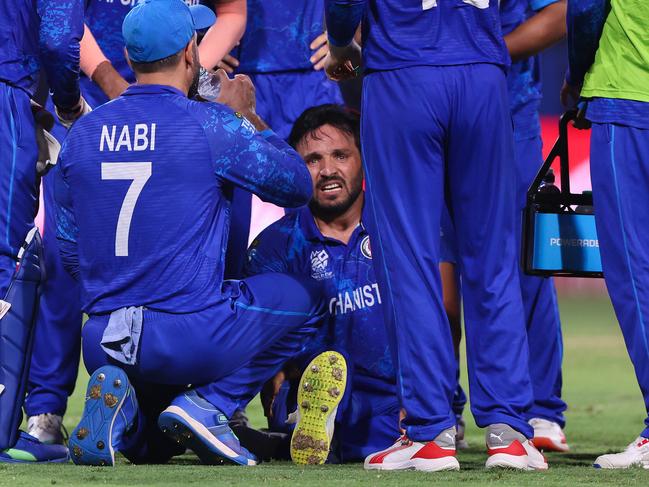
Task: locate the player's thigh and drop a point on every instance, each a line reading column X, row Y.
column 18, row 191
column 403, row 137
column 481, row 172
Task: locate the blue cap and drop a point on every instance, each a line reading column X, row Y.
column 156, row 29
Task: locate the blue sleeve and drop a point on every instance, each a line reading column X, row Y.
column 537, row 5
column 259, row 162
column 343, row 18
column 60, row 31
column 585, row 23
column 66, row 226
column 267, row 253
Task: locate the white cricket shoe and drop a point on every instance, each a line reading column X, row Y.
column 47, row 428
column 548, row 435
column 431, row 456
column 635, row 455
column 507, row 448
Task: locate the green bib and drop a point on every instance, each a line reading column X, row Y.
column 621, row 67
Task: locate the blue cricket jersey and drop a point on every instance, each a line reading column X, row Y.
column 143, row 197
column 523, row 77
column 420, row 32
column 295, row 245
column 278, row 35
column 42, row 33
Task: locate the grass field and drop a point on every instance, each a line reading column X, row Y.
column 605, row 414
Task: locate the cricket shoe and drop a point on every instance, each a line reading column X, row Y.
column 548, row 435
column 507, row 448
column 29, row 450
column 635, row 455
column 430, row 456
column 194, row 423
column 320, row 391
column 110, row 411
column 46, row 428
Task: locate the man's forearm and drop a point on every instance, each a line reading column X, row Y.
column 60, row 32
column 538, row 33
column 109, row 80
column 343, row 18
column 585, row 19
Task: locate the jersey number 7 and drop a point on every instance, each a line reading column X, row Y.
column 139, row 173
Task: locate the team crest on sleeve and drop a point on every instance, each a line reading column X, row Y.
column 366, row 250
column 320, row 265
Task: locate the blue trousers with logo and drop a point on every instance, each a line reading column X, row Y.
column 619, row 164
column 226, row 352
column 427, row 132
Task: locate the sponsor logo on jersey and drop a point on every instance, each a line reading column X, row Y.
column 320, row 265
column 366, row 250
column 360, row 298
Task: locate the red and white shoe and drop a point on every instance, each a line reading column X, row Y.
column 431, row 456
column 548, row 435
column 635, row 455
column 507, row 448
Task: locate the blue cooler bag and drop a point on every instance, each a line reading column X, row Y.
column 559, row 234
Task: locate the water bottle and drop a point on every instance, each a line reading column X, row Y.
column 585, row 209
column 548, row 187
column 209, row 85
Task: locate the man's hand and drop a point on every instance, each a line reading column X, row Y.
column 269, row 393
column 321, row 47
column 343, row 62
column 228, row 64
column 109, row 80
column 68, row 116
column 569, row 95
column 239, row 94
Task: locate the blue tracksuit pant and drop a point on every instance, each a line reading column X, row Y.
column 619, row 162
column 57, row 341
column 282, row 97
column 18, row 185
column 427, row 130
column 540, row 305
column 226, row 352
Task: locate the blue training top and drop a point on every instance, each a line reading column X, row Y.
column 42, row 33
column 295, row 245
column 278, row 35
column 143, row 197
column 420, row 32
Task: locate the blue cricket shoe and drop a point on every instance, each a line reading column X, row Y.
column 109, row 412
column 198, row 425
column 29, row 450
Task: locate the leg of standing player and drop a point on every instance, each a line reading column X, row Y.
column 543, row 322
column 403, row 152
column 480, row 187
column 57, row 344
column 619, row 162
column 18, row 187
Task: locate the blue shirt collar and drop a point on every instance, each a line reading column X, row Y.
column 138, row 89
column 312, row 232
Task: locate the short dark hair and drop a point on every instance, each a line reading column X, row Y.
column 159, row 65
column 338, row 116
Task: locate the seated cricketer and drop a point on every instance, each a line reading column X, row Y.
column 327, row 243
column 143, row 204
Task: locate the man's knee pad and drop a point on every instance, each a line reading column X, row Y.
column 18, row 310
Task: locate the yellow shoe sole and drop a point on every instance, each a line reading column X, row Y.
column 321, row 389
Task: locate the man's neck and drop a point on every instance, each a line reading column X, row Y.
column 341, row 226
column 162, row 78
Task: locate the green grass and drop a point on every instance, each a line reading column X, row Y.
column 605, row 414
